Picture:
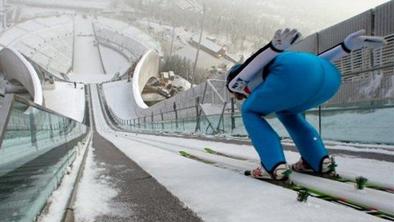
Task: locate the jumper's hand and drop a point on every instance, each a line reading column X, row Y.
column 284, row 39
column 239, row 96
column 358, row 40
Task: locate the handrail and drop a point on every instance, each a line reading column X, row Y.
column 73, row 49
column 30, row 103
column 214, row 89
column 98, row 48
column 5, row 111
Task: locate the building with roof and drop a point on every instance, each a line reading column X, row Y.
column 208, row 46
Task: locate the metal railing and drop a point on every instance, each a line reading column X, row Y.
column 98, row 48
column 36, row 147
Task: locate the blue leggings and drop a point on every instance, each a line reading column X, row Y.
column 296, row 82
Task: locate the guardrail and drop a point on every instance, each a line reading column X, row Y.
column 73, row 49
column 98, row 48
column 36, row 147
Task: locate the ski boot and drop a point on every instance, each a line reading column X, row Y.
column 281, row 172
column 327, row 167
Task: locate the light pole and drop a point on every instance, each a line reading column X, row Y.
column 172, row 39
column 3, row 11
column 199, row 42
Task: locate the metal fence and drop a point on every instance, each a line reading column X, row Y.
column 36, row 147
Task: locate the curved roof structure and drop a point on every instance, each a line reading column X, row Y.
column 147, row 68
column 16, row 68
column 47, row 42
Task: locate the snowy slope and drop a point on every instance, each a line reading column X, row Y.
column 132, row 32
column 119, row 97
column 113, row 61
column 66, row 100
column 217, row 194
column 88, row 205
column 375, row 170
column 87, row 65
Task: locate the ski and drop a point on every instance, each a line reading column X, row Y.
column 193, row 157
column 303, row 190
column 359, row 182
column 212, row 151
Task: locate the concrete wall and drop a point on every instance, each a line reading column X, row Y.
column 334, row 35
column 147, row 67
column 15, row 67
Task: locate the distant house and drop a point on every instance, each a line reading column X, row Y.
column 234, row 58
column 208, row 46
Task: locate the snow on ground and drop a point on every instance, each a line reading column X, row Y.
column 131, row 32
column 59, row 198
column 119, row 97
column 205, row 60
column 46, row 41
column 66, row 100
column 31, row 27
column 29, row 12
column 90, row 4
column 87, row 66
column 216, row 194
column 371, row 149
column 181, row 46
column 113, row 61
column 89, row 77
column 375, row 170
column 347, row 145
column 95, row 192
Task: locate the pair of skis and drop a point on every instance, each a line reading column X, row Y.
column 360, row 181
column 304, row 191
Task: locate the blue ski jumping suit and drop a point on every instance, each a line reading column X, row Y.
column 294, row 82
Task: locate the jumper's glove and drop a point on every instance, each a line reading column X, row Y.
column 358, row 40
column 241, row 86
column 284, row 39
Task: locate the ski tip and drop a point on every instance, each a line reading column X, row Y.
column 209, row 150
column 247, row 172
column 183, row 153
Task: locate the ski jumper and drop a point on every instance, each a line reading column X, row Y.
column 287, row 84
